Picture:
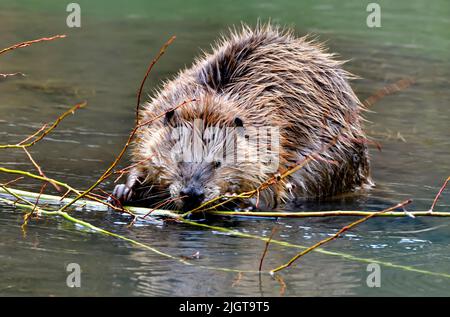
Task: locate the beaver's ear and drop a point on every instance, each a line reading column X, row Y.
column 168, row 117
column 238, row 122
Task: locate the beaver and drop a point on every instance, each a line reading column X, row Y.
column 261, row 102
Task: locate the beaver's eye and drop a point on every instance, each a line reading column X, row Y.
column 238, row 122
column 168, row 117
column 217, row 164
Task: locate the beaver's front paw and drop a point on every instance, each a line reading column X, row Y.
column 121, row 194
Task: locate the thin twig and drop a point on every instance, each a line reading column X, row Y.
column 39, row 169
column 163, row 203
column 4, row 76
column 28, row 216
column 33, row 135
column 388, row 90
column 266, row 247
column 324, row 214
column 439, row 194
column 12, row 181
column 237, row 280
column 125, row 170
column 282, row 283
column 43, row 132
column 28, row 43
column 149, row 69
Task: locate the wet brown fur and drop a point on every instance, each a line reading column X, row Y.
column 266, row 77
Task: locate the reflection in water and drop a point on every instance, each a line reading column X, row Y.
column 104, row 62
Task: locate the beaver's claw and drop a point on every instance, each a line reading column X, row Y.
column 122, row 194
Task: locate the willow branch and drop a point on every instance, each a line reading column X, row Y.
column 141, row 211
column 39, row 169
column 147, row 73
column 43, row 132
column 31, row 213
column 266, row 247
column 28, row 43
column 439, row 194
column 388, row 90
column 4, row 76
column 322, row 214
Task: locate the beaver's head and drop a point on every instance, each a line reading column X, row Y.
column 202, row 151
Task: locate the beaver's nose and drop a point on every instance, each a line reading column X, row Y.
column 192, row 197
column 193, row 193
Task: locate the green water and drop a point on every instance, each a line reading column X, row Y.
column 104, row 62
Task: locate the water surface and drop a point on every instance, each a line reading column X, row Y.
column 103, row 62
